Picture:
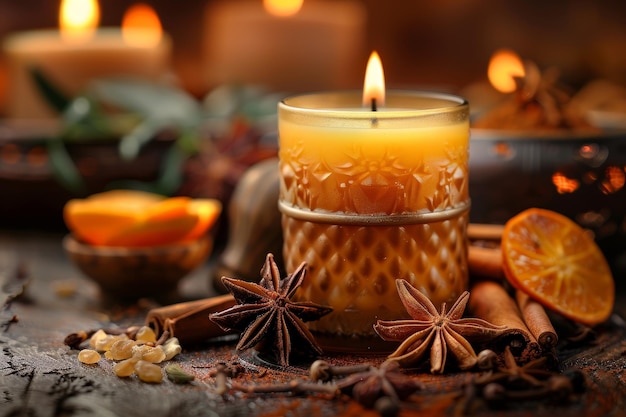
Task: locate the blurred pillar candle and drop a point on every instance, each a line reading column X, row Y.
column 369, row 197
column 70, row 58
column 318, row 47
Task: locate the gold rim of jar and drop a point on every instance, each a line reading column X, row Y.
column 319, row 216
column 336, row 108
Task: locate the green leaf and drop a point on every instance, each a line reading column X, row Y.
column 160, row 106
column 172, row 170
column 84, row 119
column 63, row 167
column 148, row 186
column 189, row 141
column 57, row 99
column 157, row 102
column 144, row 132
column 170, row 175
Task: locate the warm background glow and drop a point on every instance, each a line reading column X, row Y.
column 374, row 86
column 78, row 19
column 423, row 43
column 141, row 26
column 563, row 184
column 282, row 8
column 503, row 66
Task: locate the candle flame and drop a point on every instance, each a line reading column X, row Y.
column 504, row 65
column 78, row 19
column 282, row 8
column 374, row 86
column 141, row 26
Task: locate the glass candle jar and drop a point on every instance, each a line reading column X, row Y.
column 368, row 197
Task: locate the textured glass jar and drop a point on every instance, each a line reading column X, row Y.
column 369, row 197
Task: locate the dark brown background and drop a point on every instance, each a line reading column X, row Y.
column 445, row 43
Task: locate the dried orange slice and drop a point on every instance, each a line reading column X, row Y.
column 558, row 263
column 173, row 220
column 98, row 217
column 136, row 218
column 208, row 210
column 131, row 199
column 154, row 233
column 167, row 209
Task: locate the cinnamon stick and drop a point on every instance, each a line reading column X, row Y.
column 478, row 231
column 537, row 320
column 490, row 301
column 485, row 262
column 189, row 321
column 484, row 253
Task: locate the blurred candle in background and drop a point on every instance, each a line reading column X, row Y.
column 141, row 26
column 78, row 52
column 504, row 66
column 78, row 19
column 284, row 44
column 283, row 8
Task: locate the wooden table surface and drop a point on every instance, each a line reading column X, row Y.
column 40, row 376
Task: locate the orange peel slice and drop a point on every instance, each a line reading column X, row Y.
column 208, row 210
column 135, row 218
column 558, row 263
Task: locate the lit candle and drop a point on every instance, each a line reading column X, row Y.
column 77, row 53
column 372, row 196
column 284, row 44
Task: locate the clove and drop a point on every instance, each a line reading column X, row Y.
column 220, row 380
column 487, row 360
column 222, row 372
column 323, row 371
column 75, row 339
column 556, row 388
column 387, row 406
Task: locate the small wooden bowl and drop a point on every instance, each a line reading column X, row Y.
column 132, row 273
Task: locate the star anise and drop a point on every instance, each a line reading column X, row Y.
column 267, row 317
column 385, row 381
column 438, row 331
column 531, row 374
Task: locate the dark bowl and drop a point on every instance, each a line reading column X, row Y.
column 132, row 273
column 581, row 176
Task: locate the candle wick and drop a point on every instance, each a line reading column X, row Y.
column 374, row 108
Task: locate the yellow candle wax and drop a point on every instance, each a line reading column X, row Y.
column 380, row 164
